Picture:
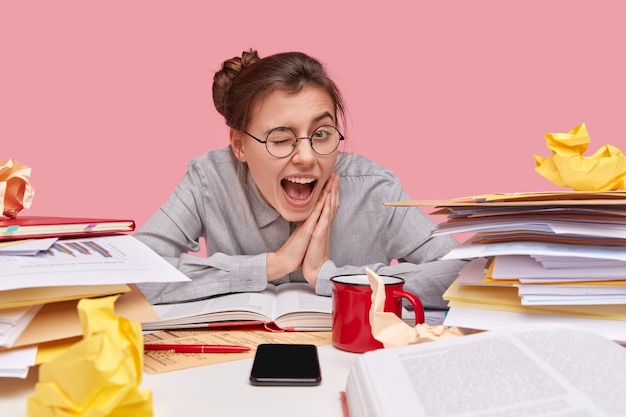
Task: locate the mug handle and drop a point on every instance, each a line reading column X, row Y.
column 418, row 308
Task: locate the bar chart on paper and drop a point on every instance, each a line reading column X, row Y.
column 79, row 248
column 75, row 255
column 118, row 259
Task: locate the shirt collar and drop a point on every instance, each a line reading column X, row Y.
column 263, row 213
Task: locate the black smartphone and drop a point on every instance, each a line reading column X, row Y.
column 286, row 365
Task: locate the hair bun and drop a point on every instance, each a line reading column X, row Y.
column 223, row 79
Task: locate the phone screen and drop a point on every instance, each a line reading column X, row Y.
column 285, row 364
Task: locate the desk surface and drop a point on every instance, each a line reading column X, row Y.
column 221, row 390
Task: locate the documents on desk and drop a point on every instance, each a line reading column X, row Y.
column 119, row 259
column 81, row 268
column 542, row 370
column 57, row 321
column 52, row 282
column 56, row 326
column 476, row 305
column 156, row 362
column 538, row 256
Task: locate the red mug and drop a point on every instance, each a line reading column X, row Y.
column 352, row 301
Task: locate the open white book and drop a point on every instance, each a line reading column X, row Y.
column 291, row 306
column 548, row 370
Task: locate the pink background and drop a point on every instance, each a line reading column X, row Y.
column 108, row 101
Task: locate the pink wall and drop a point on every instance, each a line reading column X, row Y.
column 107, row 101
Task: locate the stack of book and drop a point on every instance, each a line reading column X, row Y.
column 552, row 256
column 47, row 264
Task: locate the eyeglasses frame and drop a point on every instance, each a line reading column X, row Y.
column 310, row 139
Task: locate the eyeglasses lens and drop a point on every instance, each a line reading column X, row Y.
column 281, row 142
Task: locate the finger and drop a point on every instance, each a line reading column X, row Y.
column 327, row 215
column 335, row 192
column 332, row 203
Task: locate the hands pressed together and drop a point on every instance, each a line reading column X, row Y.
column 308, row 247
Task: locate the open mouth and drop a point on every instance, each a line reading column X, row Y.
column 298, row 190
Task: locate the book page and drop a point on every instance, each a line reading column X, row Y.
column 293, row 306
column 539, row 371
column 235, row 306
column 297, row 305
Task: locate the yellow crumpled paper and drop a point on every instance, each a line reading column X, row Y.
column 99, row 375
column 605, row 170
column 16, row 192
column 391, row 330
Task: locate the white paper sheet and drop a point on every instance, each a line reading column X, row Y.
column 15, row 363
column 119, row 259
column 492, row 319
column 28, row 247
column 13, row 321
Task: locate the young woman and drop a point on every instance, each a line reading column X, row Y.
column 282, row 203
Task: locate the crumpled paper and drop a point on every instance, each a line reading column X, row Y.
column 99, row 375
column 391, row 330
column 16, row 192
column 605, row 170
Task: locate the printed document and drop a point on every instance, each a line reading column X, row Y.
column 119, row 259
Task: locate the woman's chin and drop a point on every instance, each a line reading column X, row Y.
column 295, row 214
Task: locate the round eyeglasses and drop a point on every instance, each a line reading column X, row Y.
column 282, row 141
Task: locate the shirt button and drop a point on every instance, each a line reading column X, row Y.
column 248, row 283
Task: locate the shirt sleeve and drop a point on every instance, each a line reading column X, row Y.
column 216, row 274
column 174, row 233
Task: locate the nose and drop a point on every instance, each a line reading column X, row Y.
column 303, row 152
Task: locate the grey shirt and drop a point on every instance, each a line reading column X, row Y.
column 240, row 228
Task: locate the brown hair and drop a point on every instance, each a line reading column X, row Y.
column 244, row 81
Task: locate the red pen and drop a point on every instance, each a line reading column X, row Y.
column 197, row 348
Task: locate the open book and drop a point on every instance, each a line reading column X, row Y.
column 546, row 370
column 292, row 306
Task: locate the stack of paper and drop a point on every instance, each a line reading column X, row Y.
column 40, row 289
column 548, row 255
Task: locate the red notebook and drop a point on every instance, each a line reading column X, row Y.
column 28, row 227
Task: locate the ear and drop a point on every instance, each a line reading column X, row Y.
column 237, row 144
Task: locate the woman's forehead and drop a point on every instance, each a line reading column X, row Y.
column 282, row 108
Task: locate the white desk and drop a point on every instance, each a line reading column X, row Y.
column 220, row 390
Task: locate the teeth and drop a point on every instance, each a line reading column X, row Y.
column 298, row 180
